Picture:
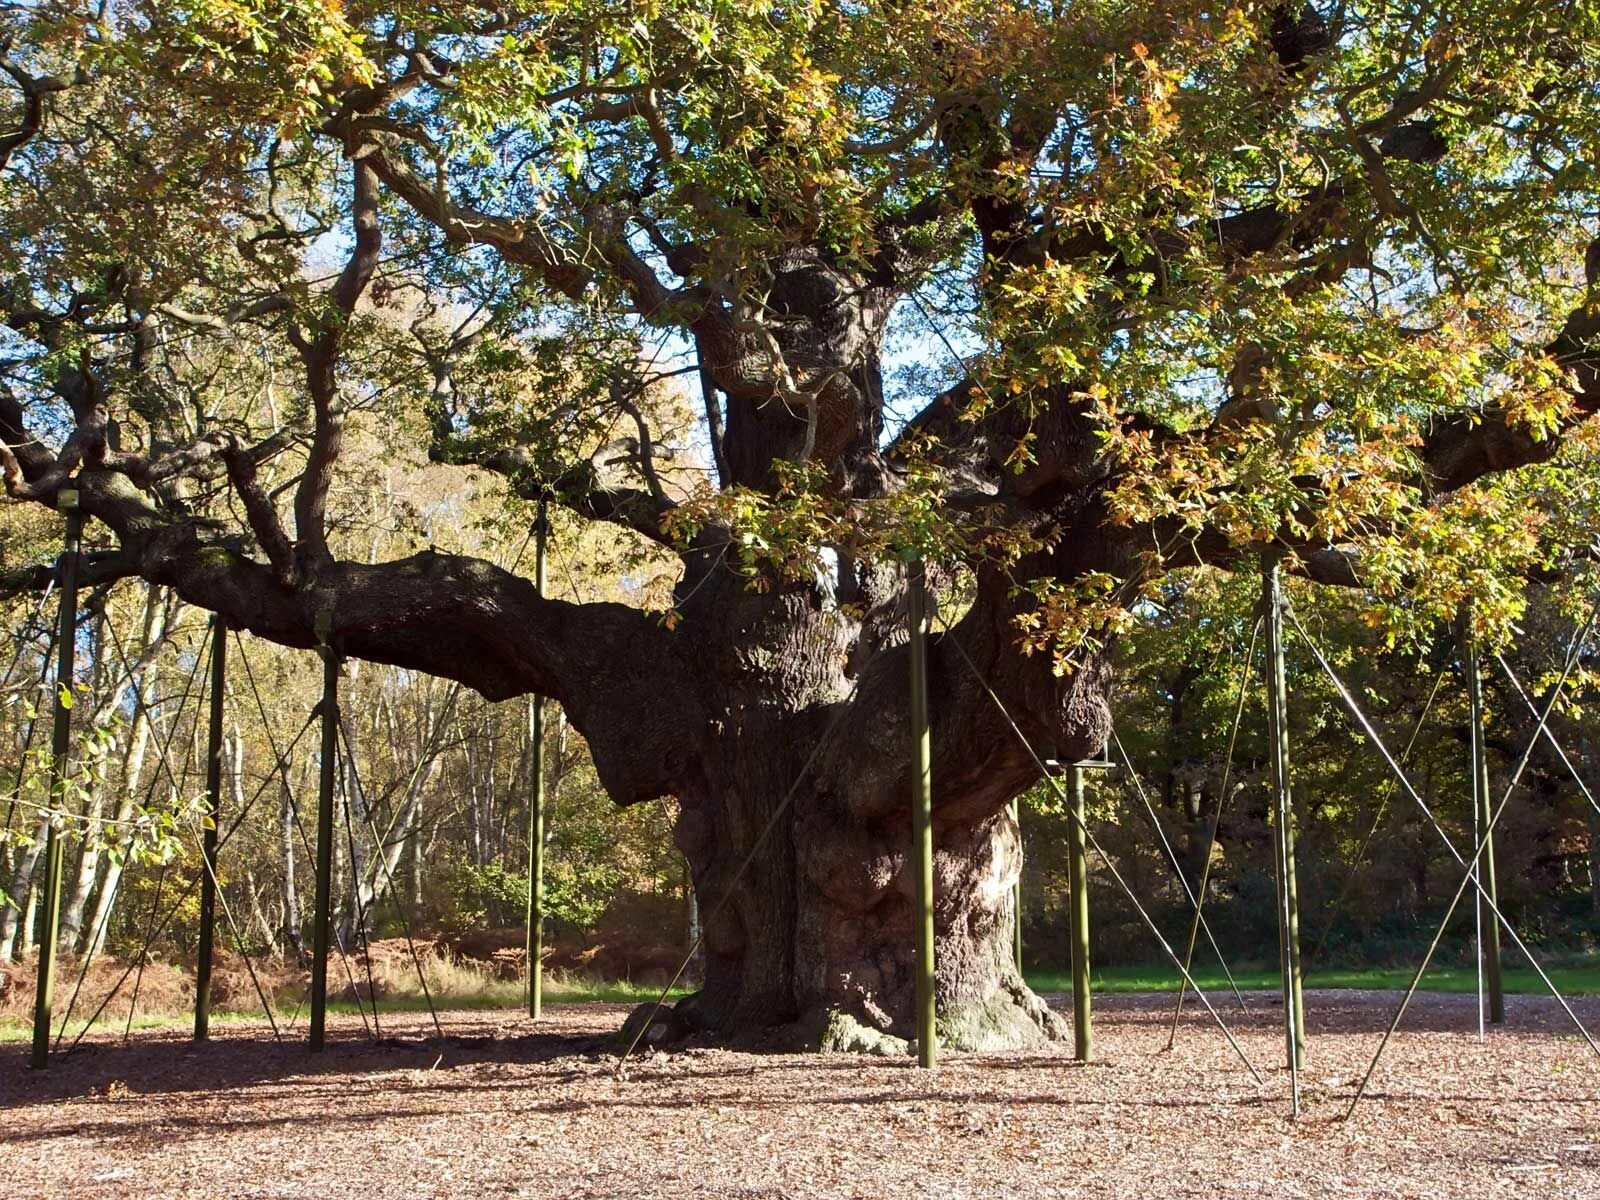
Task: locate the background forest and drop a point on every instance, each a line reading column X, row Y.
column 433, row 787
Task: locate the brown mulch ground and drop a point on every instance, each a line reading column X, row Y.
column 511, row 1109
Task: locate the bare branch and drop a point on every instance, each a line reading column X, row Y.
column 714, row 423
column 34, row 90
column 226, row 320
column 320, row 353
column 522, row 242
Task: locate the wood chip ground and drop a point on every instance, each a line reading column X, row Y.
column 503, row 1107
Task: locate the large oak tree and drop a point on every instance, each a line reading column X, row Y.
column 1061, row 297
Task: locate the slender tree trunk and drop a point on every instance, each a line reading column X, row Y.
column 108, row 699
column 1588, row 758
column 692, row 907
column 132, row 779
column 480, row 849
column 27, row 933
column 343, row 921
column 363, row 890
column 491, row 842
column 88, row 867
column 1594, row 859
column 413, row 840
column 234, row 757
column 16, row 929
column 288, row 837
column 16, row 919
column 99, row 927
column 404, row 832
column 159, row 617
column 258, row 917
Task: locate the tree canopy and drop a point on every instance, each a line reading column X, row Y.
column 1294, row 281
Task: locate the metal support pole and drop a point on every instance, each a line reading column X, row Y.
column 60, row 747
column 1284, row 833
column 922, row 817
column 535, row 918
column 321, row 917
column 1016, row 891
column 208, row 841
column 1488, row 899
column 1078, row 886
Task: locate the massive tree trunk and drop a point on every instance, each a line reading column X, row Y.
column 808, row 733
column 793, row 753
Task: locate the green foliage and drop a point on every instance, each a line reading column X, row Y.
column 489, row 895
column 1431, row 167
column 576, row 894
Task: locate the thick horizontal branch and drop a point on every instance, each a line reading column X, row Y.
column 221, row 322
column 1465, row 447
column 620, row 674
column 95, row 569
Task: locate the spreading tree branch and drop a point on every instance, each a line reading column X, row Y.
column 35, row 88
column 319, row 350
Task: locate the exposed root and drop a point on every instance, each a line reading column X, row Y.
column 668, row 1025
column 1011, row 1019
column 1051, row 1024
column 842, row 1034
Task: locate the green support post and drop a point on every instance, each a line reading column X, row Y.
column 1078, row 886
column 922, row 817
column 208, row 841
column 60, row 747
column 535, row 918
column 322, row 916
column 1283, row 812
column 1488, row 917
column 1016, row 891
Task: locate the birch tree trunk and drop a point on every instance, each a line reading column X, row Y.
column 16, row 920
column 359, row 818
column 160, row 615
column 287, row 836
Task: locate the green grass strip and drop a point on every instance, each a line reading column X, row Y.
column 1581, row 980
